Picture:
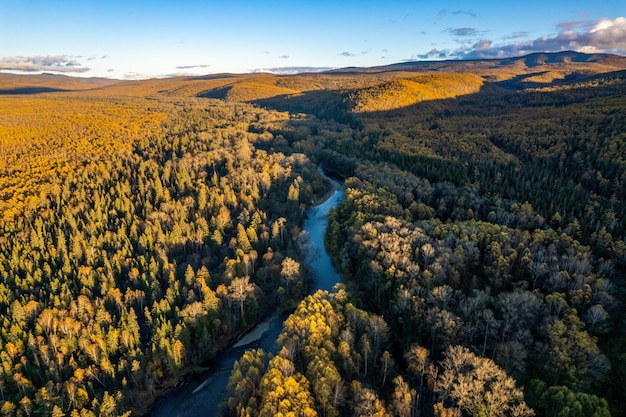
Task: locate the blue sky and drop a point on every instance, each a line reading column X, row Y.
column 142, row 39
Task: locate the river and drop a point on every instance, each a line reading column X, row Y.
column 201, row 396
column 324, row 274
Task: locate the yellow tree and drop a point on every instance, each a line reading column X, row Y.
column 284, row 391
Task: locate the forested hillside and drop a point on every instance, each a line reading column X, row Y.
column 137, row 239
column 144, row 225
column 486, row 233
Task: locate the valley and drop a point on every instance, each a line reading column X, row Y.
column 480, row 239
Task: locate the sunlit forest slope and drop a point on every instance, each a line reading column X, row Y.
column 137, row 238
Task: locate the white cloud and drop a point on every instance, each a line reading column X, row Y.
column 57, row 63
column 291, row 70
column 609, row 35
column 192, row 66
column 482, row 45
column 601, row 36
column 433, row 53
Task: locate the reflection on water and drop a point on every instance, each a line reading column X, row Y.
column 324, row 274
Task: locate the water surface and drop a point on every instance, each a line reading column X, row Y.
column 324, row 274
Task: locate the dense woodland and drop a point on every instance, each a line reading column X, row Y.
column 486, row 232
column 131, row 268
column 481, row 242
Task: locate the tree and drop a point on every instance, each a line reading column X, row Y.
column 378, row 330
column 284, row 391
column 366, row 402
column 278, row 229
column 326, row 382
column 244, row 380
column 294, row 192
column 290, row 272
column 403, row 398
column 560, row 401
column 8, row 408
column 428, row 251
column 386, row 366
column 420, row 364
column 477, row 385
column 190, row 276
column 242, row 239
column 366, row 351
column 239, row 291
column 574, row 357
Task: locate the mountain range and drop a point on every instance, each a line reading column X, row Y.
column 362, row 89
column 526, row 68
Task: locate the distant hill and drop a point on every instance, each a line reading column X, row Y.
column 404, row 92
column 364, row 89
column 515, row 72
column 570, row 59
column 43, row 83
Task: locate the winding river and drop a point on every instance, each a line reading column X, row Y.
column 201, row 396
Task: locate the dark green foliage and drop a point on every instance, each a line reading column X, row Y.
column 495, row 224
column 560, row 401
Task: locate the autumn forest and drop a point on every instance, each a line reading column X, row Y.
column 146, row 225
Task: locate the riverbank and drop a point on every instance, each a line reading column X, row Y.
column 202, row 395
column 255, row 334
column 260, row 329
column 334, row 186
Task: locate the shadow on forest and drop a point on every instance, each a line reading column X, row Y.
column 521, row 81
column 335, row 104
column 217, row 93
column 32, row 90
column 325, row 104
column 433, row 126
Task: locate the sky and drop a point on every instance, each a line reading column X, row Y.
column 127, row 39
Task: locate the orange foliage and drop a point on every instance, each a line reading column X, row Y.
column 43, row 137
column 404, row 92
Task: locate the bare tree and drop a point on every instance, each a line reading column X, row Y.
column 239, row 290
column 379, row 332
column 477, row 385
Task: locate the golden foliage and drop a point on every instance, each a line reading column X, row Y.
column 256, row 89
column 404, row 92
column 43, row 137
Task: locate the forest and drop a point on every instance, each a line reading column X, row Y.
column 127, row 265
column 481, row 242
